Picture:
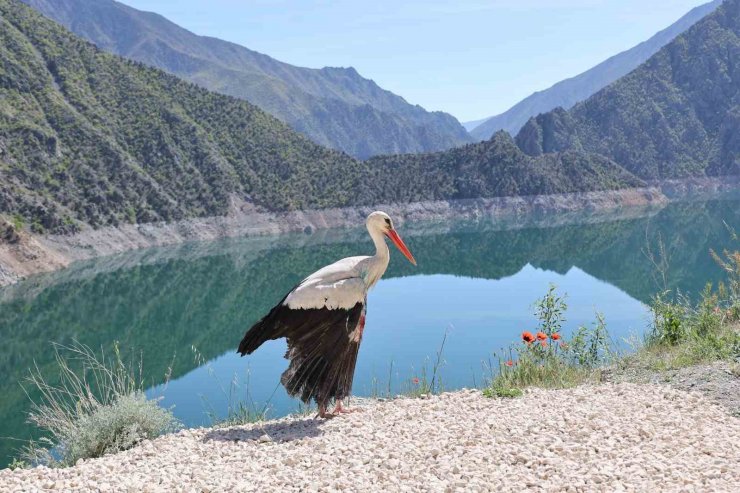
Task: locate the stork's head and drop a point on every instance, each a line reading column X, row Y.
column 381, row 222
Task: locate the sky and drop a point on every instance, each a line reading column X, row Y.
column 470, row 58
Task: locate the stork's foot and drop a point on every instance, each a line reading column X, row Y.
column 323, row 414
column 340, row 409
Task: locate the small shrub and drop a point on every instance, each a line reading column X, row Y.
column 38, row 228
column 729, row 292
column 708, row 315
column 669, row 322
column 18, row 464
column 686, row 333
column 18, row 222
column 108, row 429
column 101, row 410
column 550, row 310
column 589, row 347
column 130, row 214
column 502, row 392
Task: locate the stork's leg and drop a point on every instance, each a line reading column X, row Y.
column 323, row 414
column 340, row 409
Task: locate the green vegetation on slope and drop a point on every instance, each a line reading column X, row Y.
column 493, row 168
column 88, row 137
column 677, row 115
column 335, row 107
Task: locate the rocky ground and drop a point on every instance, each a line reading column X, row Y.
column 611, row 437
column 21, row 255
column 718, row 381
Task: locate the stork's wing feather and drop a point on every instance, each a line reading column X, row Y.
column 345, row 268
column 317, row 293
column 291, row 315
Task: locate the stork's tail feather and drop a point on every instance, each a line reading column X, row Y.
column 253, row 339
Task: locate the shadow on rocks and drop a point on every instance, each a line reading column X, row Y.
column 273, row 432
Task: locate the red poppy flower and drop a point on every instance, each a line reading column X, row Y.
column 543, row 343
column 555, row 337
column 509, row 363
column 415, row 381
column 527, row 337
column 541, row 336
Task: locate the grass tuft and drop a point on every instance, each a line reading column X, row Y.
column 241, row 408
column 502, row 392
column 99, row 410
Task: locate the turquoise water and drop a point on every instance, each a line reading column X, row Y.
column 185, row 308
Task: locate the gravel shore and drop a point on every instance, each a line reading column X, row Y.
column 613, row 437
column 718, row 381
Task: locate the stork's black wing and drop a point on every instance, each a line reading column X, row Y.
column 323, row 353
column 322, row 346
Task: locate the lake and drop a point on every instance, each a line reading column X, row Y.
column 184, row 309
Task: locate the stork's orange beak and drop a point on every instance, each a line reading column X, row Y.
column 400, row 245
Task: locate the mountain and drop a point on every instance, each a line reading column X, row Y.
column 334, row 107
column 571, row 91
column 677, row 115
column 89, row 138
column 473, row 124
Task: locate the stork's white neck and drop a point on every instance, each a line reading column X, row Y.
column 378, row 263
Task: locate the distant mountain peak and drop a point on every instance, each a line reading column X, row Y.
column 568, row 92
column 346, row 70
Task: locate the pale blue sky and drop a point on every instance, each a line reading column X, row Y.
column 471, row 58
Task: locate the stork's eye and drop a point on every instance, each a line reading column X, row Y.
column 387, row 221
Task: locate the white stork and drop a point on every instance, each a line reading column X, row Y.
column 323, row 319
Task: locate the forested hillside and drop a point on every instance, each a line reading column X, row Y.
column 335, row 107
column 90, row 138
column 676, row 115
column 493, row 168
